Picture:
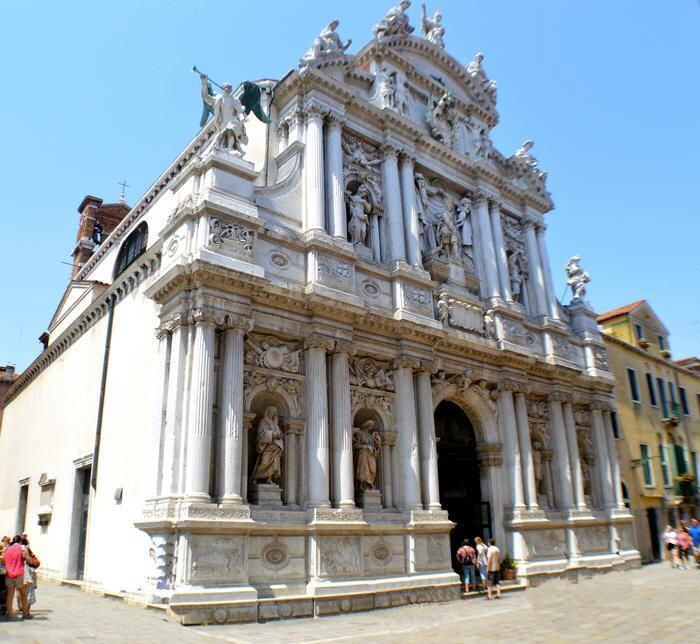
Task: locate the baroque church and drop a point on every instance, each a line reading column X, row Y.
column 358, row 359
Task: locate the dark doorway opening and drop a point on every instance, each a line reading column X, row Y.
column 83, row 503
column 654, row 533
column 22, row 509
column 459, row 477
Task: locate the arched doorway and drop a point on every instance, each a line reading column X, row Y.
column 459, row 476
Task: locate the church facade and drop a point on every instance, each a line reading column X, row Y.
column 358, row 359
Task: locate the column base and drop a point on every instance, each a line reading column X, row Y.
column 233, row 499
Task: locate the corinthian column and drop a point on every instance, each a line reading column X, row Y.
column 341, row 427
column 334, row 189
column 230, row 456
column 536, row 273
column 552, row 304
column 317, row 421
column 313, row 170
column 392, row 203
column 410, row 212
column 602, row 458
column 574, row 456
column 488, row 252
column 526, row 450
column 500, row 248
column 406, row 434
column 426, row 442
column 201, row 399
column 511, row 449
column 562, row 467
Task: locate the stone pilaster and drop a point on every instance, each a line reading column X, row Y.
column 410, row 212
column 392, row 204
column 500, row 249
column 511, row 448
column 314, row 170
column 488, row 252
column 317, row 421
column 526, row 460
column 536, row 279
column 292, row 431
column 388, row 475
column 562, row 466
column 602, row 455
column 334, row 187
column 341, row 427
column 230, row 453
column 574, row 456
column 426, row 441
column 407, row 433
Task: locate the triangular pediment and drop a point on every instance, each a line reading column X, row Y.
column 77, row 296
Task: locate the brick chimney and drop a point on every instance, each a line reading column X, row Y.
column 97, row 221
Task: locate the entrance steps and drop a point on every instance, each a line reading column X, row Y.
column 506, row 587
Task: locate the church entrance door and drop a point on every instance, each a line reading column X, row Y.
column 459, row 477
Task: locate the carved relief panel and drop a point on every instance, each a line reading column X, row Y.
column 217, row 558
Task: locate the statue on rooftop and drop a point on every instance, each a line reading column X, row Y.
column 478, row 75
column 394, row 23
column 328, row 42
column 433, row 31
column 576, row 278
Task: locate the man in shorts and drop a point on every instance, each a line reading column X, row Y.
column 493, row 566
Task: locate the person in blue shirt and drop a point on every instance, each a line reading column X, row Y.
column 694, row 532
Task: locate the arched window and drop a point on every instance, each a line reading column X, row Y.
column 132, row 247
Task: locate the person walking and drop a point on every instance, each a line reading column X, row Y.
column 481, row 550
column 493, row 564
column 15, row 557
column 466, row 555
column 684, row 547
column 670, row 537
column 694, row 533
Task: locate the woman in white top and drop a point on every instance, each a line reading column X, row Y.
column 670, row 537
column 481, row 559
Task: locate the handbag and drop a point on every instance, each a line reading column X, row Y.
column 33, row 561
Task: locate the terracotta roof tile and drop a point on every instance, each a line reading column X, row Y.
column 623, row 310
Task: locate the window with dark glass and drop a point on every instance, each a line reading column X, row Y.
column 132, row 247
column 646, row 465
column 634, row 390
column 615, row 426
column 662, row 343
column 639, row 330
column 664, row 464
column 684, row 401
column 662, row 395
column 650, row 387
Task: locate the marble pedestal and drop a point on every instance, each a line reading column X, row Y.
column 268, row 494
column 370, row 499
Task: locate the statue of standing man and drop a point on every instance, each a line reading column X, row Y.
column 270, row 445
column 227, row 111
column 366, row 443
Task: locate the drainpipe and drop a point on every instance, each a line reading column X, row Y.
column 103, row 386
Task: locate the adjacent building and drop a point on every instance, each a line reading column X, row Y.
column 657, row 422
column 322, row 348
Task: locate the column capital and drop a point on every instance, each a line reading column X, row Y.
column 206, row 315
column 389, row 150
column 344, row 346
column 407, row 362
column 516, row 386
column 314, row 110
column 293, row 426
column 169, row 324
column 495, row 202
column 480, row 197
column 407, row 155
column 318, row 341
column 336, row 119
column 389, row 438
column 238, row 322
column 428, row 366
column 557, row 395
column 600, row 405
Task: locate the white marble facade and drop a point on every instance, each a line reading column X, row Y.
column 370, row 256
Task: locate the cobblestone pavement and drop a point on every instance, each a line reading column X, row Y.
column 654, row 603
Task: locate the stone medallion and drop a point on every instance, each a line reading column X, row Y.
column 275, row 556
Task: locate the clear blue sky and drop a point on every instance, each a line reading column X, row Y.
column 99, row 91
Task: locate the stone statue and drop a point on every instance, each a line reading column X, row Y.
column 401, row 96
column 327, row 43
column 424, row 192
column 441, row 118
column 228, row 113
column 394, row 23
column 433, row 31
column 516, row 274
column 269, row 446
column 443, row 308
column 386, row 82
column 448, row 235
column 576, row 278
column 357, row 156
column 464, row 207
column 489, row 325
column 538, row 466
column 366, row 443
column 477, row 74
column 359, row 208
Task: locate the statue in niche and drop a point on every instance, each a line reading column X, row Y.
column 366, row 443
column 478, row 75
column 228, row 114
column 394, row 23
column 489, row 325
column 401, row 92
column 515, row 271
column 393, row 90
column 432, row 30
column 443, row 308
column 586, row 473
column 538, row 465
column 464, row 208
column 441, row 118
column 359, row 208
column 328, row 42
column 269, row 446
column 576, row 278
column 447, row 234
column 424, row 192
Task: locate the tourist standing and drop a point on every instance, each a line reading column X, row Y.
column 466, row 555
column 670, row 537
column 481, row 550
column 29, row 573
column 493, row 564
column 15, row 557
column 4, row 544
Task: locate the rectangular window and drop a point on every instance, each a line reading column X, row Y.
column 639, row 330
column 650, row 387
column 662, row 395
column 634, row 390
column 662, row 343
column 672, row 392
column 681, row 466
column 664, row 464
column 684, row 400
column 615, row 426
column 646, row 465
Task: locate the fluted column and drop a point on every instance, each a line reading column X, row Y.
column 388, row 442
column 574, row 456
column 488, row 252
column 230, row 453
column 407, row 434
column 341, row 427
column 314, row 170
column 602, row 460
column 500, row 248
column 199, row 434
column 392, row 203
column 511, row 449
column 562, row 467
column 292, row 429
column 553, row 306
column 528, row 466
column 410, row 212
column 426, row 442
column 536, row 281
column 614, row 460
column 334, row 189
column 317, row 421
